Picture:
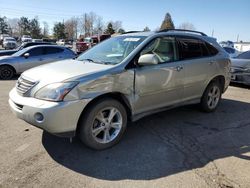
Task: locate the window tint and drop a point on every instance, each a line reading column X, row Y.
column 212, row 50
column 53, row 50
column 244, row 55
column 191, row 48
column 36, row 51
column 164, row 48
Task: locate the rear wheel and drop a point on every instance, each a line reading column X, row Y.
column 211, row 97
column 6, row 72
column 103, row 125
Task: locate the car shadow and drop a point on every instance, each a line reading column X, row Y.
column 240, row 85
column 162, row 144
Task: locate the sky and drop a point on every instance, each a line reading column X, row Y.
column 226, row 19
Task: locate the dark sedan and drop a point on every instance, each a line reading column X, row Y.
column 24, row 45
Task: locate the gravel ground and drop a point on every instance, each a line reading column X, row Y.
column 182, row 147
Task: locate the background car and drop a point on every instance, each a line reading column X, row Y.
column 240, row 68
column 31, row 57
column 2, row 36
column 26, row 38
column 231, row 51
column 9, row 43
column 37, row 40
column 60, row 42
column 227, row 44
column 24, row 45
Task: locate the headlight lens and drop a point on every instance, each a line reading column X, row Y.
column 55, row 91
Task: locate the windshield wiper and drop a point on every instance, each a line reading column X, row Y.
column 90, row 60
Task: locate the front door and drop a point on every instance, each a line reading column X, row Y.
column 35, row 58
column 160, row 85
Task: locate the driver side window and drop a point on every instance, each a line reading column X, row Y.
column 164, row 48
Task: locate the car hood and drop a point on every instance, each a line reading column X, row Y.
column 240, row 62
column 63, row 70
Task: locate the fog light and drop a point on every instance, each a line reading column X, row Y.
column 39, row 117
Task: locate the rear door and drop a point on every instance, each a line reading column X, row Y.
column 198, row 64
column 54, row 54
column 159, row 85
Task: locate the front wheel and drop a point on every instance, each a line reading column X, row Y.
column 6, row 72
column 103, row 125
column 211, row 97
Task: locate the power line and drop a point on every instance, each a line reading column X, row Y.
column 36, row 12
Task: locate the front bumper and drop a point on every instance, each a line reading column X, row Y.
column 240, row 76
column 59, row 118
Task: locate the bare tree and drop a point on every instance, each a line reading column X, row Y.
column 45, row 29
column 187, row 25
column 98, row 25
column 116, row 25
column 14, row 27
column 71, row 26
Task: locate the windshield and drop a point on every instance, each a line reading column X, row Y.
column 113, row 50
column 20, row 52
column 244, row 55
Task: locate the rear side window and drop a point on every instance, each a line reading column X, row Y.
column 191, row 48
column 53, row 50
column 212, row 50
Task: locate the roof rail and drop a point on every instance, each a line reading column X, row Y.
column 184, row 30
column 131, row 32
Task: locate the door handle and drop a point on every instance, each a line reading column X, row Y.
column 178, row 68
column 41, row 59
column 211, row 62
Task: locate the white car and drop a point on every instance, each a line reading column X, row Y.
column 26, row 38
column 60, row 42
column 231, row 51
column 9, row 43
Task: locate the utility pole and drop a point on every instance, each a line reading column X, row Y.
column 85, row 21
column 212, row 32
column 238, row 38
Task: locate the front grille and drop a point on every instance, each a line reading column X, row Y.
column 23, row 85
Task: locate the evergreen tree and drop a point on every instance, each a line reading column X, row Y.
column 24, row 26
column 35, row 30
column 146, row 29
column 4, row 28
column 121, row 30
column 110, row 29
column 59, row 31
column 167, row 22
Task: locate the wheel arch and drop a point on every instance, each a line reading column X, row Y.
column 219, row 78
column 113, row 95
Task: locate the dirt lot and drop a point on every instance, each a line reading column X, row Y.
column 178, row 148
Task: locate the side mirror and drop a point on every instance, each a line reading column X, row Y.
column 148, row 59
column 26, row 55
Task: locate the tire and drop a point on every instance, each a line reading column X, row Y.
column 211, row 97
column 103, row 124
column 6, row 72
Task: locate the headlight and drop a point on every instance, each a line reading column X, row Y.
column 55, row 91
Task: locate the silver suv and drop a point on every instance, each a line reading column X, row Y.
column 123, row 78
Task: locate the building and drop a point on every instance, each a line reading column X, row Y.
column 242, row 46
